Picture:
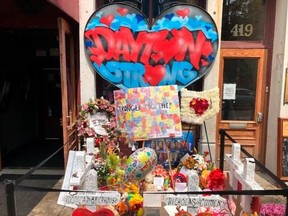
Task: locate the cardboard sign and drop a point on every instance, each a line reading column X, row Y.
column 149, row 112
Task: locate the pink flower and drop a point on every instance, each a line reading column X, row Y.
column 272, row 209
column 85, row 107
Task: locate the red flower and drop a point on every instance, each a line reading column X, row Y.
column 255, row 204
column 216, row 180
column 199, row 105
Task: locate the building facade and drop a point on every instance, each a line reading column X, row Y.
column 249, row 69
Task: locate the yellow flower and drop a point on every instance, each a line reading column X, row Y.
column 203, row 178
column 131, row 187
column 140, row 212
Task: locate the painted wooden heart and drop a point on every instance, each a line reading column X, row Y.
column 178, row 49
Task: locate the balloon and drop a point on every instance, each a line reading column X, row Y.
column 139, row 163
column 178, row 49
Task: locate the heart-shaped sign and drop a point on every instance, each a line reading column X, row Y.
column 178, row 49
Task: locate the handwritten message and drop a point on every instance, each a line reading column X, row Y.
column 149, row 112
column 97, row 198
column 195, row 202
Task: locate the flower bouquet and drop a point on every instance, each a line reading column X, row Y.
column 131, row 202
column 210, row 177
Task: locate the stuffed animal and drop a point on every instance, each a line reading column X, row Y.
column 148, row 184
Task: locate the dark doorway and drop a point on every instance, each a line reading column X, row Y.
column 30, row 98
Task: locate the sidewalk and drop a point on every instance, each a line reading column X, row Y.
column 27, row 200
column 49, row 207
column 267, row 183
column 35, row 203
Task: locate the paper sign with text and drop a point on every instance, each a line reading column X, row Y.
column 149, row 112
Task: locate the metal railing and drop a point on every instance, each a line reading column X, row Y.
column 284, row 188
column 12, row 185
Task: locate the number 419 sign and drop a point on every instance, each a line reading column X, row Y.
column 241, row 30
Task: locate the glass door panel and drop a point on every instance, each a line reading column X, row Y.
column 239, row 88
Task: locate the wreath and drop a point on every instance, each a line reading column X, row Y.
column 91, row 108
column 97, row 119
column 196, row 107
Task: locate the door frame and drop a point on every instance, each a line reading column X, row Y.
column 260, row 101
column 69, row 82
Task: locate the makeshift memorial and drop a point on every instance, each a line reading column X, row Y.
column 147, row 106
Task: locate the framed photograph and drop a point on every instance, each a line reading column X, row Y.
column 282, row 161
column 176, row 147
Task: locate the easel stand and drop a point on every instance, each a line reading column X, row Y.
column 208, row 143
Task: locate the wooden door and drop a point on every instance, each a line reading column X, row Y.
column 68, row 87
column 243, row 94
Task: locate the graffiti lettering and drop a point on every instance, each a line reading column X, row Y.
column 131, row 74
column 121, row 45
column 178, row 49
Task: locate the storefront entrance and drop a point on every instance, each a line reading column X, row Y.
column 242, row 86
column 30, row 104
column 245, row 71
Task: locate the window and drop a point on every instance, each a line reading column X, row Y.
column 243, row 20
column 241, row 73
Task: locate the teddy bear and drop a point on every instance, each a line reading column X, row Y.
column 148, row 184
